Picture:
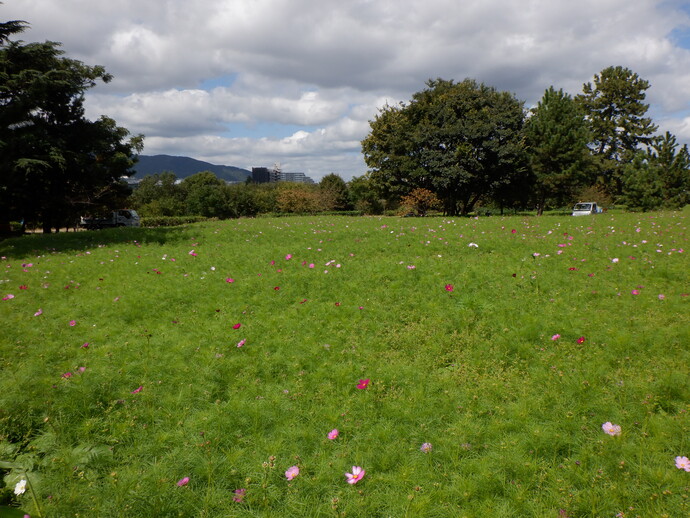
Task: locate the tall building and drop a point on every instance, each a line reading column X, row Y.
column 266, row 175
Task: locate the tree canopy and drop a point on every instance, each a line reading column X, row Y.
column 55, row 163
column 462, row 141
column 556, row 136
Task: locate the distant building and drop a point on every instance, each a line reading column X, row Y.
column 266, row 175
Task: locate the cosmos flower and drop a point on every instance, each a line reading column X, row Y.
column 363, row 384
column 241, row 342
column 20, row 488
column 555, row 337
column 237, row 326
column 139, row 389
column 356, row 475
column 611, row 429
column 9, row 296
column 581, row 340
column 239, row 495
column 288, row 257
column 333, row 434
column 449, row 287
column 426, row 447
column 681, row 463
column 38, row 313
column 72, row 323
column 183, row 482
column 292, row 472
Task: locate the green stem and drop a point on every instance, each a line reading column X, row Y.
column 33, row 496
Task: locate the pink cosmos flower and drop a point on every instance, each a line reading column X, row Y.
column 555, row 337
column 662, row 296
column 683, row 463
column 9, row 296
column 237, row 326
column 581, row 340
column 292, row 472
column 230, row 280
column 356, row 475
column 333, row 434
column 192, row 253
column 513, row 231
column 449, row 287
column 72, row 323
column 363, row 384
column 635, row 292
column 426, row 447
column 139, row 389
column 85, row 345
column 241, row 342
column 311, row 265
column 23, row 287
column 611, row 429
column 288, row 257
column 276, row 288
column 183, row 482
column 38, row 313
column 67, row 375
column 239, row 495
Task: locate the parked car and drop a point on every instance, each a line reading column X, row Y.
column 117, row 218
column 586, row 208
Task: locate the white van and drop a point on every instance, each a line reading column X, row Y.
column 586, row 208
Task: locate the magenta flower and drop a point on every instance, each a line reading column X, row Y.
column 356, row 475
column 183, row 482
column 288, row 257
column 237, row 326
column 581, row 340
column 292, row 472
column 662, row 296
column 67, row 375
column 23, row 287
column 683, row 463
column 139, row 389
column 555, row 337
column 192, row 253
column 311, row 265
column 38, row 313
column 611, row 429
column 72, row 323
column 85, row 345
column 333, row 434
column 241, row 342
column 239, row 495
column 449, row 287
column 276, row 288
column 635, row 292
column 513, row 231
column 9, row 296
column 363, row 384
column 229, row 280
column 426, row 447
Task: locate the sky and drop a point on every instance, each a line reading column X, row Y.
column 253, row 83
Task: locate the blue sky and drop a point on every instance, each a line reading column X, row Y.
column 255, row 82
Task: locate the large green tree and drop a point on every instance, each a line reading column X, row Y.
column 55, row 163
column 556, row 136
column 461, row 141
column 614, row 105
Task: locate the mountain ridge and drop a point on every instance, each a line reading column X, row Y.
column 184, row 166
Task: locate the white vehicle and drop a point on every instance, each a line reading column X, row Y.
column 586, row 208
column 117, row 218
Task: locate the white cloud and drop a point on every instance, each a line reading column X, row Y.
column 311, row 74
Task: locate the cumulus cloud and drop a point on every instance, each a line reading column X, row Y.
column 192, row 74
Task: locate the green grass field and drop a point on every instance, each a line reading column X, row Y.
column 503, row 343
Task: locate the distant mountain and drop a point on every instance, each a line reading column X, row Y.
column 184, row 166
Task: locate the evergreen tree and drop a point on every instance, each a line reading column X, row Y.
column 615, row 108
column 556, row 136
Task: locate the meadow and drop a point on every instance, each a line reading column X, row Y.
column 497, row 366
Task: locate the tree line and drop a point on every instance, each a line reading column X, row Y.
column 467, row 144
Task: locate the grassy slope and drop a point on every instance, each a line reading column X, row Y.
column 514, row 417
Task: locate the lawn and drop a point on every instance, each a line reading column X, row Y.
column 506, row 367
